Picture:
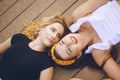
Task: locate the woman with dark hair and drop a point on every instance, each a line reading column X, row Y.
column 99, row 31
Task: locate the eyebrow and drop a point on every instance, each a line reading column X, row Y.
column 67, row 52
column 60, row 43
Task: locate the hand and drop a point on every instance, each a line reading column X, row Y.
column 75, row 79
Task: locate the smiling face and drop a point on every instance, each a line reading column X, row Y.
column 51, row 34
column 69, row 46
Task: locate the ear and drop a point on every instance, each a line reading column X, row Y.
column 39, row 30
column 79, row 55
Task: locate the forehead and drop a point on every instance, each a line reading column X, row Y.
column 58, row 26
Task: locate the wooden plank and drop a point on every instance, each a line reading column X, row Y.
column 89, row 73
column 64, row 74
column 5, row 5
column 14, row 12
column 118, row 2
column 68, row 13
column 29, row 14
column 57, row 8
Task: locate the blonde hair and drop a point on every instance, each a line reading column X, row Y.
column 32, row 28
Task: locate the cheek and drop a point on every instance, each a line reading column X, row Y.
column 61, row 31
column 42, row 33
column 75, row 50
column 78, row 49
column 65, row 56
column 46, row 30
column 56, row 40
column 60, row 28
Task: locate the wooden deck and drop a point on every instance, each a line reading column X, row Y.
column 14, row 12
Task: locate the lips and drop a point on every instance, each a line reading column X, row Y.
column 74, row 40
column 50, row 40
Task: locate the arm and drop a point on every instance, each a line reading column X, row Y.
column 5, row 45
column 83, row 79
column 87, row 8
column 46, row 74
column 110, row 67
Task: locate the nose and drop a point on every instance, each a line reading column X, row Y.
column 68, row 43
column 54, row 35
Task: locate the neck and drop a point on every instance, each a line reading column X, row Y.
column 37, row 45
column 86, row 35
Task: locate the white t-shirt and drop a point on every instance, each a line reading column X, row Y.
column 106, row 22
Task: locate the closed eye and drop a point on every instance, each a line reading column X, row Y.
column 53, row 29
column 62, row 42
column 68, row 51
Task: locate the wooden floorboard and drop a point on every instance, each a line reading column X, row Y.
column 14, row 12
column 57, row 8
column 5, row 5
column 61, row 73
column 88, row 73
column 68, row 12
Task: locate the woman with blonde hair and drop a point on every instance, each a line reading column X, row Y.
column 25, row 56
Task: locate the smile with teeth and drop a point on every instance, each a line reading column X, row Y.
column 74, row 39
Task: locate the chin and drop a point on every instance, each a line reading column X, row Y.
column 48, row 44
